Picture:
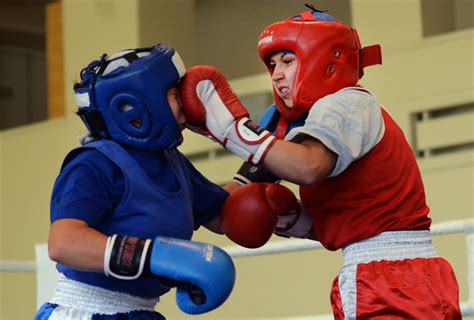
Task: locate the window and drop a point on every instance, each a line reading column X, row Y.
column 443, row 130
column 442, row 16
column 31, row 63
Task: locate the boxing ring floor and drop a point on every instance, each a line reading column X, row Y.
column 46, row 273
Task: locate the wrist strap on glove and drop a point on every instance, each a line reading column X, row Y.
column 248, row 140
column 249, row 173
column 125, row 257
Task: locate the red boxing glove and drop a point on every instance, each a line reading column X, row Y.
column 250, row 214
column 212, row 109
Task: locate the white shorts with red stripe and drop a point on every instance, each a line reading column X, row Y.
column 395, row 275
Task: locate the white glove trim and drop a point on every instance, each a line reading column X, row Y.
column 250, row 132
column 242, row 136
column 108, row 253
column 240, row 179
column 218, row 117
column 261, row 152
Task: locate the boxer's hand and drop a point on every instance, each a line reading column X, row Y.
column 250, row 214
column 203, row 274
column 212, row 109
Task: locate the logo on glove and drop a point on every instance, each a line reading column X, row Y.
column 254, row 127
column 208, row 252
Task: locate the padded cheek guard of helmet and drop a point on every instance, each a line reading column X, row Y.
column 329, row 53
column 132, row 99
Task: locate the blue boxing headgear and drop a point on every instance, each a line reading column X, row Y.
column 124, row 97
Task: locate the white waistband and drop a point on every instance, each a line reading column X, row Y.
column 78, row 295
column 391, row 245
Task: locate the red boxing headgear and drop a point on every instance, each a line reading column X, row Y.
column 329, row 53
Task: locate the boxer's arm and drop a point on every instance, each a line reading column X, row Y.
column 213, row 109
column 232, row 186
column 303, row 163
column 203, row 274
column 214, row 226
column 73, row 243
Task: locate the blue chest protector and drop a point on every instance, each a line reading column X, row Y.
column 145, row 211
column 271, row 116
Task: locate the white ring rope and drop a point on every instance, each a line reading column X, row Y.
column 454, row 226
column 17, row 266
column 283, row 246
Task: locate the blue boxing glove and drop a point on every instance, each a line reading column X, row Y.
column 203, row 265
column 203, row 274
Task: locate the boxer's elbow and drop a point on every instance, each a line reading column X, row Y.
column 55, row 249
column 311, row 162
column 57, row 241
column 310, row 173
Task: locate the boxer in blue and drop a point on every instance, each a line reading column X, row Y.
column 126, row 203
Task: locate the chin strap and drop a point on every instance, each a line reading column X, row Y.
column 281, row 128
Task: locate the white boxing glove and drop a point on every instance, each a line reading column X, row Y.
column 212, row 109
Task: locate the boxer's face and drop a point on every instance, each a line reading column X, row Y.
column 283, row 76
column 174, row 101
column 176, row 107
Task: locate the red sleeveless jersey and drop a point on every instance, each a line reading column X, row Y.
column 382, row 191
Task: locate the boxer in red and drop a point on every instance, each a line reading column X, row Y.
column 360, row 187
